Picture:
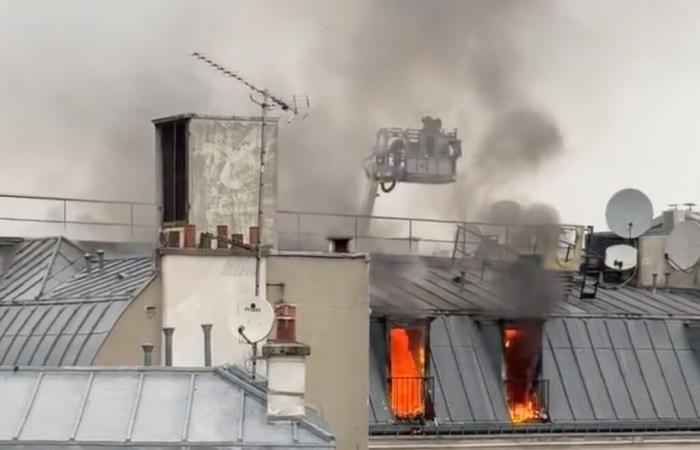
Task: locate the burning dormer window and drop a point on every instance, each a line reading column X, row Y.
column 408, row 383
column 526, row 393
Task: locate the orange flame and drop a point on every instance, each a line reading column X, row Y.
column 523, row 403
column 526, row 411
column 407, row 371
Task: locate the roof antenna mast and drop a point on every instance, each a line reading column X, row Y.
column 295, row 106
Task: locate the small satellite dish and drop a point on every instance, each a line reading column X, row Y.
column 683, row 245
column 629, row 213
column 253, row 319
column 621, row 257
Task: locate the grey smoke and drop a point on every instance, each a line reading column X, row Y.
column 83, row 82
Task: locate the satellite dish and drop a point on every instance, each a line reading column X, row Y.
column 629, row 213
column 621, row 257
column 253, row 319
column 683, row 245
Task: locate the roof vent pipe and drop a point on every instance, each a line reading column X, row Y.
column 653, row 282
column 168, row 332
column 667, row 281
column 206, row 329
column 88, row 262
column 101, row 259
column 147, row 351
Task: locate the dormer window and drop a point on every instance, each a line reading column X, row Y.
column 409, row 386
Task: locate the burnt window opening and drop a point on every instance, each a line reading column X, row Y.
column 527, row 394
column 409, row 386
column 173, row 146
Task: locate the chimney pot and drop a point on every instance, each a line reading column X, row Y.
column 236, row 238
column 190, row 236
column 168, row 332
column 88, row 262
column 253, row 236
column 222, row 236
column 147, row 351
column 667, row 281
column 206, row 329
column 174, row 238
column 285, row 322
column 653, row 281
column 101, row 258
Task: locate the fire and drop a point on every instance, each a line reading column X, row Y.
column 521, row 352
column 407, row 372
column 526, row 411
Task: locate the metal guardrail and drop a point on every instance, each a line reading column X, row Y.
column 298, row 230
column 63, row 215
column 410, row 396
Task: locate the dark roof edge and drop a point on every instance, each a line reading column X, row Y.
column 600, row 427
column 190, row 115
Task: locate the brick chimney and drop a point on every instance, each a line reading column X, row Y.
column 286, row 367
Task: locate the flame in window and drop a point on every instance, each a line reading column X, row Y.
column 407, row 366
column 521, row 352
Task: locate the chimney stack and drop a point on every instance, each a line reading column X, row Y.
column 206, row 329
column 147, row 351
column 653, row 282
column 286, row 368
column 222, row 236
column 168, row 332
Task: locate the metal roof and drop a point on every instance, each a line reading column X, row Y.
column 604, row 374
column 54, row 311
column 424, row 286
column 143, row 407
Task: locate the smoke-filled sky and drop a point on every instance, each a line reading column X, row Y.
column 601, row 94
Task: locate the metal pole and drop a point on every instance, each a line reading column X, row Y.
column 131, row 218
column 65, row 215
column 255, row 360
column 206, row 328
column 168, row 332
column 258, row 253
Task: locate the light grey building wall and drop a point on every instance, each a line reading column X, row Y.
column 331, row 292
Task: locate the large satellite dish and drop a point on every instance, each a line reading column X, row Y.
column 629, row 213
column 253, row 319
column 621, row 257
column 683, row 245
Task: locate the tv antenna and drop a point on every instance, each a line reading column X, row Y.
column 297, row 105
column 629, row 213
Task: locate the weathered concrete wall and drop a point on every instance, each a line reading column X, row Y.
column 332, row 294
column 224, row 159
column 201, row 289
column 135, row 327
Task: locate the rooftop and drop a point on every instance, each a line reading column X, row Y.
column 56, row 311
column 144, row 407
